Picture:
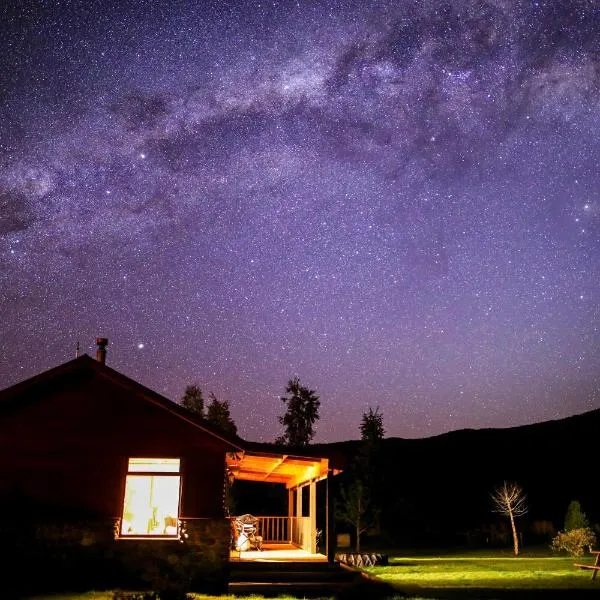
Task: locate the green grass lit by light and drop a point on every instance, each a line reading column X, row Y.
column 411, row 574
column 458, row 575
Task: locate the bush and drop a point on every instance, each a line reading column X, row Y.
column 574, row 541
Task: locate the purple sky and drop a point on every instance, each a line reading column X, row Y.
column 395, row 201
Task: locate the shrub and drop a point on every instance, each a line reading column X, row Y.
column 574, row 541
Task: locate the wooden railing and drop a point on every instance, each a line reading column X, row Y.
column 285, row 530
column 275, row 530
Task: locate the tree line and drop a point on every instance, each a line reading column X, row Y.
column 298, row 421
column 302, row 412
column 217, row 412
column 362, row 493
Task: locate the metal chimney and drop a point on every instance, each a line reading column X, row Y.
column 101, row 351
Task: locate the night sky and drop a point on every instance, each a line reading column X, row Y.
column 395, row 201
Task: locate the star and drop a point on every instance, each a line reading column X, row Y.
column 359, row 197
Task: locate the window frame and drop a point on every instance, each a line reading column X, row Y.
column 128, row 473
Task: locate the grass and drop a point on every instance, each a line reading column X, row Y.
column 464, row 575
column 486, row 574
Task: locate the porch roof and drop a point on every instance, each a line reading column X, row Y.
column 288, row 469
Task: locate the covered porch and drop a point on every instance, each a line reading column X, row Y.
column 277, row 553
column 294, row 536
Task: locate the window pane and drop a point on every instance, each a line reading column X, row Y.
column 151, row 505
column 154, row 465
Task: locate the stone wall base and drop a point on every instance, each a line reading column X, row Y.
column 61, row 556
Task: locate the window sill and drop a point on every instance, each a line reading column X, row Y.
column 150, row 537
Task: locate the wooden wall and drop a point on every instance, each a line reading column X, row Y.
column 66, row 447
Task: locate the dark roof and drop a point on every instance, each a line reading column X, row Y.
column 85, row 366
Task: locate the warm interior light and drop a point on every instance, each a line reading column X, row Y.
column 153, row 465
column 151, row 505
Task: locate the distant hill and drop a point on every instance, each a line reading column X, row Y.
column 440, row 486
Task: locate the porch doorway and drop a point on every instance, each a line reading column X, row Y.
column 288, row 496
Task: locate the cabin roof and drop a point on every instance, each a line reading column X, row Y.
column 84, row 367
column 251, row 461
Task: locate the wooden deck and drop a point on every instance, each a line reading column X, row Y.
column 276, row 553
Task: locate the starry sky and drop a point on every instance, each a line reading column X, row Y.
column 395, row 201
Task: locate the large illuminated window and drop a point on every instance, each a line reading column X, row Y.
column 151, row 505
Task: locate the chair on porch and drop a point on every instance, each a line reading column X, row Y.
column 246, row 533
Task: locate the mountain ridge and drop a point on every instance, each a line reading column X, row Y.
column 441, row 485
column 594, row 411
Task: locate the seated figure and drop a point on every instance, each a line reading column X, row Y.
column 245, row 533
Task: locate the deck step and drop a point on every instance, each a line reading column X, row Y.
column 272, row 579
column 297, row 590
column 290, row 567
column 290, row 577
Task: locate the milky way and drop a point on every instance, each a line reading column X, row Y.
column 397, row 202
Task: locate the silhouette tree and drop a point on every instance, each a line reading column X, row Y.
column 193, row 400
column 575, row 517
column 361, row 495
column 300, row 416
column 355, row 508
column 510, row 500
column 371, row 426
column 218, row 414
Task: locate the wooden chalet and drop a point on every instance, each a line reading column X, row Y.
column 83, row 446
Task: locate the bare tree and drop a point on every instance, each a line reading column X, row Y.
column 355, row 508
column 510, row 500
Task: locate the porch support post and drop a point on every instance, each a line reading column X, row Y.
column 313, row 517
column 290, row 534
column 298, row 501
column 299, row 521
column 329, row 520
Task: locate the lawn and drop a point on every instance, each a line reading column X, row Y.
column 469, row 576
column 486, row 574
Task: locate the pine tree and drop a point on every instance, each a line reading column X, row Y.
column 575, row 517
column 193, row 400
column 371, row 426
column 302, row 412
column 219, row 415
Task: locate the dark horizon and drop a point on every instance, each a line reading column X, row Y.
column 357, row 439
